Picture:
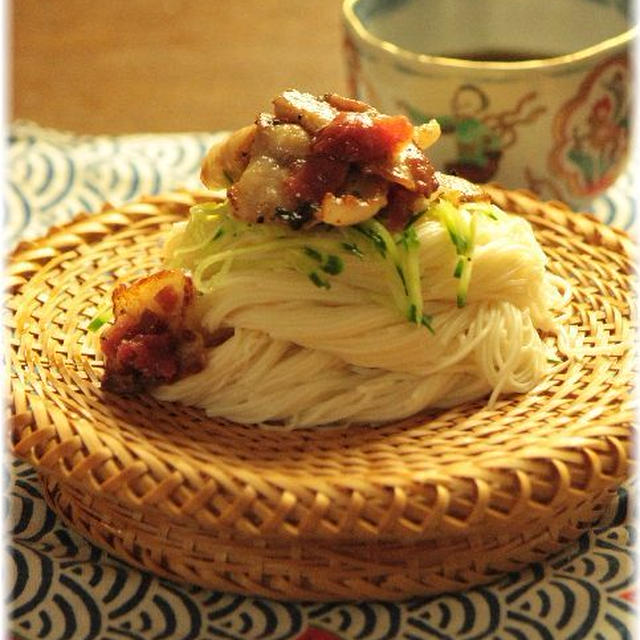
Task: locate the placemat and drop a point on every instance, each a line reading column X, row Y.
column 60, row 586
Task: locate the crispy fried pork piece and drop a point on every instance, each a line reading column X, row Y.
column 326, row 159
column 155, row 337
column 263, row 185
column 461, row 190
column 426, row 134
column 226, row 160
column 341, row 103
column 304, row 109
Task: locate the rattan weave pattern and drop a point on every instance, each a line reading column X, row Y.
column 437, row 502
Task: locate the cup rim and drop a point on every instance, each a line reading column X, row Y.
column 419, row 60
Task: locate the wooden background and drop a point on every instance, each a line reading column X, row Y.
column 169, row 65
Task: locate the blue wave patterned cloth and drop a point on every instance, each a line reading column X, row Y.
column 61, row 586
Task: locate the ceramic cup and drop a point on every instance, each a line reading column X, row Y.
column 528, row 93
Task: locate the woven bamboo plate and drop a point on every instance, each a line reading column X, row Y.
column 441, row 501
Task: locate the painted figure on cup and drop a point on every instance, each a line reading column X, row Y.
column 481, row 137
column 591, row 130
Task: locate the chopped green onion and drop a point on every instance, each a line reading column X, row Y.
column 333, row 265
column 329, row 263
column 318, row 281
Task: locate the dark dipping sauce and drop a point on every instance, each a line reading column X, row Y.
column 501, row 55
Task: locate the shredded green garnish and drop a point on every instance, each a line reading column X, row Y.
column 414, row 218
column 313, row 253
column 426, row 321
column 352, row 247
column 214, row 243
column 457, row 272
column 409, row 239
column 423, row 319
column 401, row 252
column 460, row 223
column 100, row 319
column 370, row 232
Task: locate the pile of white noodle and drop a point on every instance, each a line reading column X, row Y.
column 341, row 349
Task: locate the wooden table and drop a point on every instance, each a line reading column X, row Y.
column 168, row 65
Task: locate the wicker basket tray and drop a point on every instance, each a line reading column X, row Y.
column 441, row 501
